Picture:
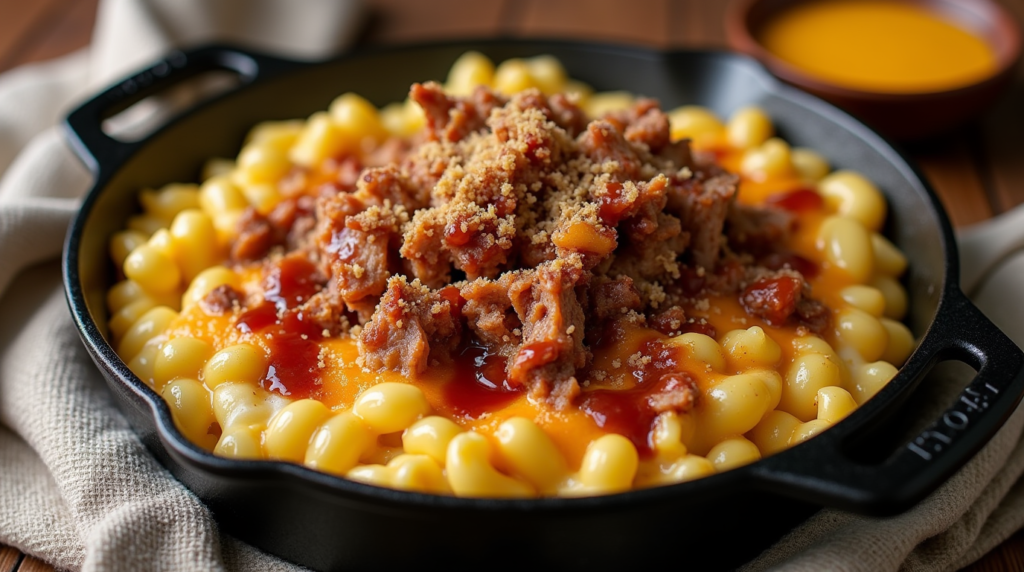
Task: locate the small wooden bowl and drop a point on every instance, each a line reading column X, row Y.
column 902, row 116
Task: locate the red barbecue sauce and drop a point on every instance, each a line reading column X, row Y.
column 479, row 385
column 800, row 200
column 292, row 341
column 773, row 299
column 630, row 412
column 613, row 204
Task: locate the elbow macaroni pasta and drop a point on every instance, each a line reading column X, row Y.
column 760, row 392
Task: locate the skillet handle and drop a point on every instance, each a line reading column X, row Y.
column 103, row 154
column 821, row 473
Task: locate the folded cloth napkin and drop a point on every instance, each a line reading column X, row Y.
column 78, row 489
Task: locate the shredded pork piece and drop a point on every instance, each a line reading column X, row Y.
column 412, row 324
column 489, row 313
column 757, row 229
column 553, row 329
column 220, row 300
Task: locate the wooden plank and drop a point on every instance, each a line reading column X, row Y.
column 951, row 169
column 1007, row 556
column 9, row 559
column 1003, row 130
column 1004, row 149
column 18, row 22
column 402, row 21
column 637, row 21
column 66, row 30
column 704, row 24
column 682, row 24
column 33, row 564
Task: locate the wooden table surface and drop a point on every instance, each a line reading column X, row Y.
column 978, row 172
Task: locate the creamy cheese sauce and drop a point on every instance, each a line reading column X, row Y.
column 884, row 46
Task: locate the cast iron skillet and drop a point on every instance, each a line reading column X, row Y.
column 326, row 522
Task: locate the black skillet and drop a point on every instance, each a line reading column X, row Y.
column 326, row 522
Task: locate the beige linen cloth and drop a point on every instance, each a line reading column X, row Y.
column 78, row 489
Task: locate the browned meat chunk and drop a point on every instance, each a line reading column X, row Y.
column 784, row 260
column 813, row 315
column 778, row 297
column 655, row 238
column 620, row 201
column 293, row 220
column 356, row 250
column 758, row 230
column 655, row 257
column 332, row 208
column 613, row 298
column 567, row 114
column 412, row 327
column 602, row 143
column 605, row 301
column 436, row 106
column 773, row 298
column 650, row 222
column 221, row 300
column 703, row 207
column 452, row 118
column 674, row 392
column 255, row 237
column 327, row 311
column 649, row 126
column 677, row 156
column 392, row 151
column 387, row 184
column 347, row 172
column 732, row 274
column 477, row 239
column 288, row 224
column 423, row 251
column 669, row 321
column 556, row 108
column 651, row 263
column 532, row 254
column 424, row 169
column 553, row 324
column 489, row 313
column 525, row 129
column 477, row 242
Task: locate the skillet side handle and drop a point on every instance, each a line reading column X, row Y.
column 103, row 154
column 824, row 475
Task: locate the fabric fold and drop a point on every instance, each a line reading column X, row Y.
column 984, row 246
column 35, row 97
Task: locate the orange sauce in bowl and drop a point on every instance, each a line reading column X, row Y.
column 878, row 45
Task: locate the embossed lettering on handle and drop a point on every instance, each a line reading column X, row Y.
column 934, row 440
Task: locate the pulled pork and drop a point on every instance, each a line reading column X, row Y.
column 517, row 224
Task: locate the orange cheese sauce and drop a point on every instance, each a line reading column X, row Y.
column 876, row 45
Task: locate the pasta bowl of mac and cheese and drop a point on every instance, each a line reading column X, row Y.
column 445, row 295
